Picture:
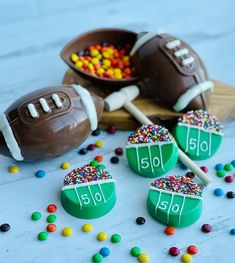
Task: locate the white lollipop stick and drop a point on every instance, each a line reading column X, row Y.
column 123, row 98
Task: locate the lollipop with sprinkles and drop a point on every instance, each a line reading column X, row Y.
column 198, row 134
column 88, row 192
column 151, row 151
column 175, row 200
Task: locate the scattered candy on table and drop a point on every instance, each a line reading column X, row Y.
column 91, row 147
column 51, row 218
column 96, row 132
column 232, row 231
column 87, row 228
column 233, row 163
column 83, row 151
column 206, row 228
column 102, row 236
column 51, row 208
column 174, row 251
column 99, row 144
column 104, row 251
column 228, row 167
column 119, row 151
column 190, row 175
column 51, row 228
column 36, row 216
column 143, row 257
column 218, row 192
column 105, row 61
column 140, row 220
column 135, row 251
column 186, row 258
column 230, row 194
column 193, row 250
column 43, row 236
column 219, row 166
column 13, row 169
column 116, row 238
column 67, row 231
column 99, row 158
column 40, row 173
column 170, row 230
column 114, row 159
column 111, row 129
column 5, row 227
column 94, row 163
column 204, row 169
column 97, row 258
column 65, row 165
column 220, row 173
column 228, row 179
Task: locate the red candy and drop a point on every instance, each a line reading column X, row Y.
column 190, row 175
column 119, row 151
column 206, row 228
column 204, row 169
column 193, row 250
column 228, row 179
column 111, row 129
column 51, row 208
column 174, row 251
column 91, row 147
column 170, row 230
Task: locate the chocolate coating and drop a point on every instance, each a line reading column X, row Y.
column 52, row 133
column 163, row 75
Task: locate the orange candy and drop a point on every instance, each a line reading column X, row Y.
column 99, row 158
column 51, row 228
column 170, row 230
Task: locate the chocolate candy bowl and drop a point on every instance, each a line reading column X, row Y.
column 113, row 36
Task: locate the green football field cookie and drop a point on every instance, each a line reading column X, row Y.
column 151, row 151
column 175, row 201
column 198, row 134
column 88, row 192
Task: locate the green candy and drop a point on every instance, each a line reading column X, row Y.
column 97, row 258
column 135, row 251
column 228, row 167
column 220, row 173
column 94, row 163
column 51, row 218
column 36, row 216
column 101, row 166
column 43, row 236
column 116, row 238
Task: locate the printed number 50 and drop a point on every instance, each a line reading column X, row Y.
column 145, row 162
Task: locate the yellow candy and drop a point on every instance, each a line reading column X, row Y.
column 100, row 71
column 117, row 70
column 94, row 52
column 87, row 228
column 110, row 71
column 106, row 54
column 118, row 75
column 99, row 56
column 67, row 231
column 74, row 57
column 102, row 236
column 85, row 62
column 126, row 58
column 95, row 61
column 13, row 169
column 65, row 165
column 106, row 62
column 99, row 144
column 90, row 66
column 109, row 50
column 186, row 258
column 143, row 257
column 78, row 64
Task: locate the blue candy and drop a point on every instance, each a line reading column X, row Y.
column 40, row 173
column 218, row 192
column 233, row 163
column 232, row 231
column 219, row 166
column 104, row 251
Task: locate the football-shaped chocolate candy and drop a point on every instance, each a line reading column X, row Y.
column 171, row 71
column 48, row 122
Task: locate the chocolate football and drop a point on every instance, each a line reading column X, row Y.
column 171, row 71
column 48, row 122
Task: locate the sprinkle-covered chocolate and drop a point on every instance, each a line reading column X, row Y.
column 178, row 184
column 201, row 119
column 86, row 173
column 150, row 133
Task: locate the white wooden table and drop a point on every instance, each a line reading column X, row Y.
column 32, row 35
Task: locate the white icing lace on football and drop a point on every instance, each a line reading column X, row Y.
column 188, row 61
column 9, row 138
column 173, row 44
column 181, row 52
column 32, row 110
column 57, row 100
column 88, row 105
column 44, row 105
column 192, row 93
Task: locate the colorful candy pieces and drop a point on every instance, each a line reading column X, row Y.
column 198, row 134
column 105, row 61
column 175, row 201
column 88, row 192
column 151, row 151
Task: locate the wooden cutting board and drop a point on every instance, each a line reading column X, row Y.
column 222, row 105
